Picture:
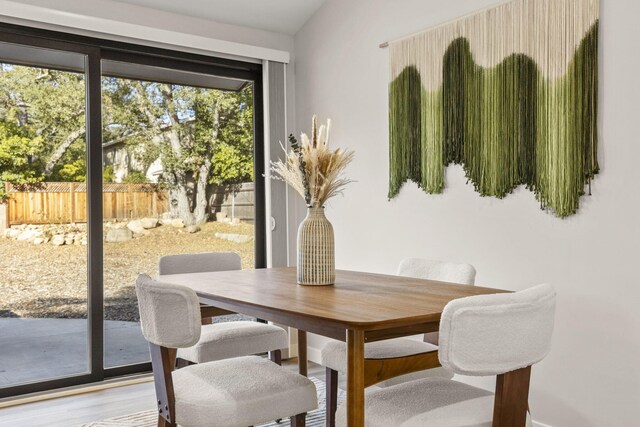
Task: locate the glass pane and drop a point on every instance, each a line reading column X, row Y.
column 43, row 252
column 178, row 178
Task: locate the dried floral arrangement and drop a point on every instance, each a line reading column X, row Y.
column 311, row 168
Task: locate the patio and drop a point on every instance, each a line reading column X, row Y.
column 35, row 349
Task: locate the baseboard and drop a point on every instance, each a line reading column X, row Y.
column 75, row 390
column 538, row 424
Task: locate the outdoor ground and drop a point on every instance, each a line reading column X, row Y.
column 50, row 281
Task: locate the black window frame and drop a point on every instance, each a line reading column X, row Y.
column 95, row 50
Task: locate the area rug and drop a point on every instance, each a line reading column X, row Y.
column 149, row 418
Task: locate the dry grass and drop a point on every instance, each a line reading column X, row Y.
column 311, row 168
column 49, row 281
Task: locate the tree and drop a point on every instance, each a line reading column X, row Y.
column 194, row 131
column 18, row 157
column 49, row 104
column 202, row 136
column 233, row 152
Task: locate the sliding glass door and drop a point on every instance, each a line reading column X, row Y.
column 178, row 155
column 44, row 330
column 112, row 155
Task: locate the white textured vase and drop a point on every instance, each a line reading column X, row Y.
column 316, row 250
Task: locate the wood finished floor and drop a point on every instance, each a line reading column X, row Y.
column 74, row 410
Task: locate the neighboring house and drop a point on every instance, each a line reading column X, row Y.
column 120, row 157
column 154, row 171
column 125, row 158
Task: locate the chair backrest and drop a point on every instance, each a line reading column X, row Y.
column 493, row 334
column 199, row 263
column 419, row 268
column 169, row 314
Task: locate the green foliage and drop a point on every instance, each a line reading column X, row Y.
column 18, row 155
column 73, row 172
column 212, row 126
column 135, row 177
column 45, row 103
column 233, row 152
column 197, row 133
column 108, row 174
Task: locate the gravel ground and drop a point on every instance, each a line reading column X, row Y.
column 51, row 281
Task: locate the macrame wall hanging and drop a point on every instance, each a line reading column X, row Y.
column 510, row 93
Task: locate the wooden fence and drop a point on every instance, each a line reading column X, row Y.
column 236, row 201
column 65, row 202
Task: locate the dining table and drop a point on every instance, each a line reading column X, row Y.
column 358, row 308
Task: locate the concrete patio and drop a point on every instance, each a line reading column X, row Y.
column 40, row 349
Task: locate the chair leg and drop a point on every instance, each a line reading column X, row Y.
column 332, row 396
column 276, row 357
column 162, row 422
column 299, row 420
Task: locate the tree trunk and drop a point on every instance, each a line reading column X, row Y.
column 62, row 148
column 180, row 193
column 200, row 211
column 180, row 190
column 191, row 206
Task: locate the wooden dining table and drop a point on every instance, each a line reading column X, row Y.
column 358, row 308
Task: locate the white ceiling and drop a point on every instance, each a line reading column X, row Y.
column 282, row 16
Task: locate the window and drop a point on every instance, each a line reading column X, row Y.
column 108, row 149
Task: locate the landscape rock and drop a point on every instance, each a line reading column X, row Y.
column 69, row 238
column 115, row 225
column 148, row 223
column 177, row 223
column 192, row 229
column 38, row 241
column 58, row 240
column 235, row 238
column 115, row 235
column 136, row 226
column 12, row 233
column 28, row 234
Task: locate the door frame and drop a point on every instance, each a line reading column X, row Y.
column 96, row 49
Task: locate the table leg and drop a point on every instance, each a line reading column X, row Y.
column 355, row 378
column 511, row 399
column 302, row 352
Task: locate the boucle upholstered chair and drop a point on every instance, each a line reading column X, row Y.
column 334, row 353
column 230, row 339
column 481, row 336
column 227, row 393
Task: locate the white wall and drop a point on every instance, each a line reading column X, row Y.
column 592, row 376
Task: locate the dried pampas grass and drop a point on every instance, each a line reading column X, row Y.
column 311, row 168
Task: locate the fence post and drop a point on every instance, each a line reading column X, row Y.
column 8, row 203
column 131, row 205
column 154, row 202
column 72, row 188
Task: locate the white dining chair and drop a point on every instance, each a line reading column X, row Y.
column 480, row 336
column 236, row 392
column 442, row 271
column 334, row 353
column 228, row 339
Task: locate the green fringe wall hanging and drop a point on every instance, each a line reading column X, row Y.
column 509, row 93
